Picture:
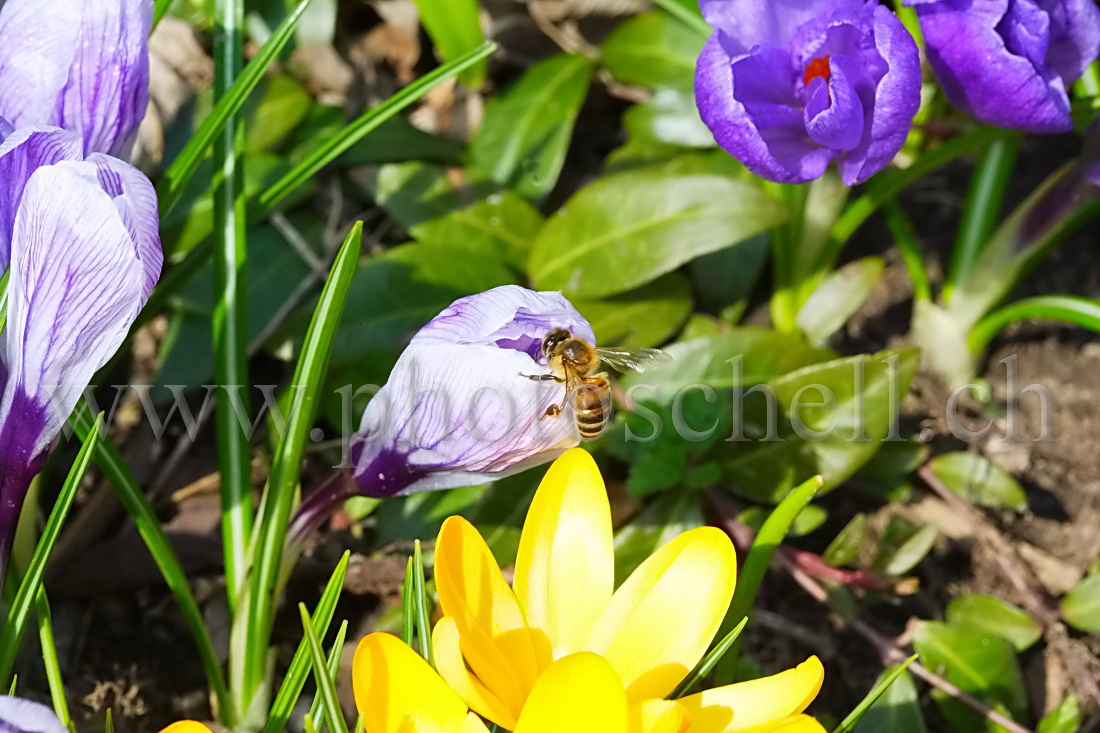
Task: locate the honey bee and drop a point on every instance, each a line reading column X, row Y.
column 573, row 362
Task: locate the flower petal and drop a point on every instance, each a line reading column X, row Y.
column 756, row 704
column 1075, row 38
column 187, row 726
column 82, row 65
column 566, row 553
column 21, row 154
column 579, row 693
column 390, row 680
column 452, row 668
column 658, row 716
column 647, row 632
column 23, row 716
column 419, row 723
column 793, row 724
column 751, row 22
column 74, row 290
column 501, row 650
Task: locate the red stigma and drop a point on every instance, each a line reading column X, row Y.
column 818, row 68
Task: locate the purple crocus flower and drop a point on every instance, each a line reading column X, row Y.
column 23, row 716
column 82, row 65
column 78, row 237
column 788, row 86
column 1009, row 62
column 456, row 410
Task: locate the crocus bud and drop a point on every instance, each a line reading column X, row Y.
column 82, row 65
column 1009, row 62
column 458, row 408
column 789, row 86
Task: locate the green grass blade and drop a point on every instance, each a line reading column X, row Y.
column 759, row 557
column 300, row 665
column 19, row 613
column 709, row 661
column 326, row 690
column 906, row 240
column 316, row 710
column 133, row 499
column 50, row 660
column 4, row 300
column 408, row 606
column 420, row 599
column 1084, row 312
column 231, row 308
column 849, row 723
column 159, row 10
column 279, row 496
column 328, row 150
column 180, row 171
column 455, row 29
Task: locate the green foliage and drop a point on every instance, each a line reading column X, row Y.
column 653, row 50
column 455, row 29
column 1081, row 606
column 994, row 616
column 973, row 476
column 897, row 707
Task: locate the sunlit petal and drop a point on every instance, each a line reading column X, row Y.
column 452, row 668
column 579, row 693
column 660, row 622
column 793, row 724
column 658, row 716
column 186, row 726
column 746, row 706
column 494, row 636
column 390, row 679
column 566, row 553
column 417, row 723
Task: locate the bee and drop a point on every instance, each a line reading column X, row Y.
column 574, row 362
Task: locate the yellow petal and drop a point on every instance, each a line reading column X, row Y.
column 391, row 680
column 757, row 704
column 565, row 567
column 579, row 693
column 452, row 668
column 793, row 724
column 186, row 726
column 416, row 723
column 658, row 716
column 494, row 635
column 661, row 620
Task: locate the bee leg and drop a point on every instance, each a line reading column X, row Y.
column 551, row 411
column 542, row 377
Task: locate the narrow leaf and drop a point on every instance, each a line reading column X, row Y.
column 325, row 688
column 455, row 29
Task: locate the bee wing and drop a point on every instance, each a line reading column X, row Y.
column 631, row 359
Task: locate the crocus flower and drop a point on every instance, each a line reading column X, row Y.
column 398, row 692
column 82, row 65
column 78, row 237
column 456, row 410
column 788, row 86
column 23, row 716
column 495, row 641
column 187, row 726
column 1009, row 62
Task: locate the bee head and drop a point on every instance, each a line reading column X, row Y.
column 553, row 340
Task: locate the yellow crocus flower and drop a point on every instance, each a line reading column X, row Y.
column 495, row 642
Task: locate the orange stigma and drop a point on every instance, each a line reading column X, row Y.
column 819, row 67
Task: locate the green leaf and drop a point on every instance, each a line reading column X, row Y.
column 1083, row 312
column 982, row 664
column 286, row 465
column 671, row 118
column 332, row 669
column 994, row 616
column 845, row 546
column 902, row 545
column 301, row 663
column 396, row 293
column 1081, row 606
column 1066, row 718
column 629, row 229
column 325, row 688
column 455, row 29
column 976, row 478
column 653, row 50
column 394, row 141
column 808, row 520
column 643, row 317
column 758, row 355
column 281, row 104
column 11, row 635
column 526, row 132
column 896, row 709
column 502, row 225
column 179, row 172
column 416, row 193
column 837, row 298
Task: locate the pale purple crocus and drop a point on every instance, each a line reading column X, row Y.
column 1010, row 62
column 789, row 87
column 79, row 239
column 81, row 65
column 24, row 716
column 456, row 410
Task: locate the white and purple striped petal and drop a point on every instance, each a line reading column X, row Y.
column 23, row 716
column 82, row 65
